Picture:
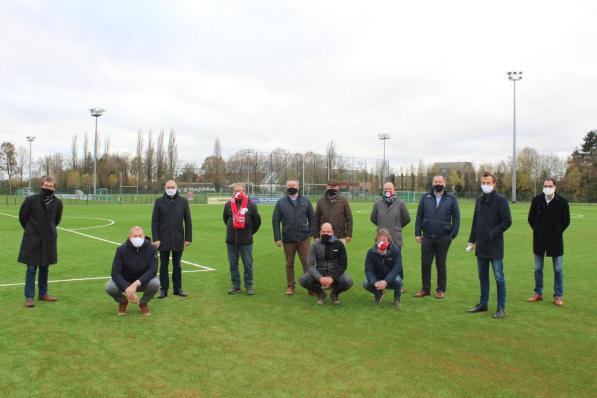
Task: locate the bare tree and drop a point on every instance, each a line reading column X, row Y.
column 74, row 153
column 22, row 162
column 8, row 161
column 160, row 163
column 149, row 164
column 172, row 155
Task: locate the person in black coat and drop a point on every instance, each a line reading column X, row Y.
column 134, row 269
column 242, row 221
column 549, row 216
column 382, row 267
column 490, row 219
column 172, row 232
column 39, row 216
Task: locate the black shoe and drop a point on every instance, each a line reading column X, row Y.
column 397, row 303
column 234, row 290
column 499, row 313
column 378, row 296
column 180, row 293
column 478, row 308
column 163, row 294
column 335, row 298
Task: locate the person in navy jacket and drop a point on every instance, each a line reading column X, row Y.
column 383, row 266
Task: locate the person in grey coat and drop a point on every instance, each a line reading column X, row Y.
column 296, row 214
column 39, row 216
column 390, row 212
column 172, row 232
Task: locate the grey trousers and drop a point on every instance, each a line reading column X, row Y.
column 149, row 290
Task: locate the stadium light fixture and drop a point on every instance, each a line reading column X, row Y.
column 384, row 137
column 96, row 113
column 514, row 77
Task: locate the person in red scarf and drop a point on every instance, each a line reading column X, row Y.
column 242, row 222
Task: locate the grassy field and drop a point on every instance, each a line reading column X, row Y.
column 215, row 345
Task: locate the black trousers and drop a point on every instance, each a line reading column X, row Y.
column 438, row 248
column 342, row 284
column 176, row 271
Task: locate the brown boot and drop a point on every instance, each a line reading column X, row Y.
column 290, row 291
column 46, row 297
column 535, row 298
column 144, row 308
column 422, row 293
column 29, row 303
column 122, row 307
column 558, row 301
column 440, row 294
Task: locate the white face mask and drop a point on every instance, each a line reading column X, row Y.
column 171, row 192
column 548, row 191
column 137, row 241
column 486, row 188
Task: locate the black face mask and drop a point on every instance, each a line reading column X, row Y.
column 325, row 239
column 438, row 188
column 47, row 192
column 331, row 192
column 292, row 191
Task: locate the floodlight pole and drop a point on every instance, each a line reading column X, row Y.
column 384, row 137
column 96, row 113
column 30, row 139
column 514, row 77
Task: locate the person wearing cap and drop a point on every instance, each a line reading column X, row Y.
column 327, row 263
column 172, row 232
column 549, row 216
column 334, row 208
column 382, row 267
column 39, row 215
column 242, row 221
column 134, row 269
column 436, row 226
column 296, row 214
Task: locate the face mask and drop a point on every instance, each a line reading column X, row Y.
column 548, row 191
column 325, row 239
column 47, row 192
column 239, row 195
column 171, row 192
column 383, row 245
column 292, row 191
column 137, row 241
column 438, row 188
column 388, row 194
column 331, row 192
column 486, row 188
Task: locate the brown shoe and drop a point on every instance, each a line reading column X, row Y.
column 558, row 301
column 535, row 298
column 290, row 291
column 144, row 308
column 48, row 298
column 29, row 303
column 440, row 294
column 421, row 293
column 122, row 307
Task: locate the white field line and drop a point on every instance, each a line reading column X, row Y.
column 110, row 222
column 202, row 267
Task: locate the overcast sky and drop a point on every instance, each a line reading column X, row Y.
column 298, row 74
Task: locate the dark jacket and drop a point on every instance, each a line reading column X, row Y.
column 549, row 221
column 435, row 221
column 383, row 266
column 335, row 211
column 297, row 219
column 490, row 219
column 131, row 264
column 167, row 223
column 252, row 223
column 393, row 217
column 38, row 246
column 327, row 259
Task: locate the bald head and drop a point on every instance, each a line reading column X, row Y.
column 326, row 229
column 170, row 184
column 388, row 187
column 136, row 232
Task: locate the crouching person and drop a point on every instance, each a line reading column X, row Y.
column 134, row 269
column 326, row 264
column 383, row 267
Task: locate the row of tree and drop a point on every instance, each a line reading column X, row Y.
column 156, row 159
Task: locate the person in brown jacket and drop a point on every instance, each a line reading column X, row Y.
column 333, row 208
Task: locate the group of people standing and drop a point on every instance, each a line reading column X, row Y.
column 324, row 259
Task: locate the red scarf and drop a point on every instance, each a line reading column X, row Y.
column 238, row 216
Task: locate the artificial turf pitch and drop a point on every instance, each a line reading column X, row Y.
column 217, row 345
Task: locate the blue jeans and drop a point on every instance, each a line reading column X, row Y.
column 42, row 281
column 245, row 252
column 498, row 272
column 558, row 275
column 396, row 285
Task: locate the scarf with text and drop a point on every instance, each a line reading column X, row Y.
column 238, row 215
